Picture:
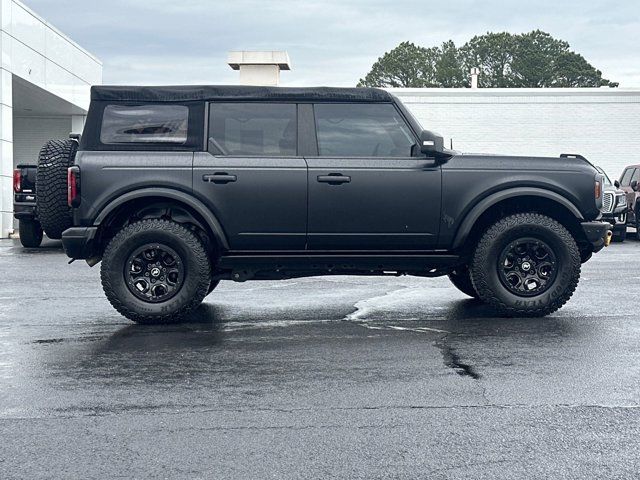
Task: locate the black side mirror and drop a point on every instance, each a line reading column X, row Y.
column 634, row 185
column 616, row 183
column 431, row 143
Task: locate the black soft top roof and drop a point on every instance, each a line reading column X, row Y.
column 186, row 93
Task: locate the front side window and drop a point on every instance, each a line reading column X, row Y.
column 255, row 129
column 626, row 177
column 144, row 124
column 362, row 130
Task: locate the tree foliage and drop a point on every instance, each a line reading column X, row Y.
column 505, row 60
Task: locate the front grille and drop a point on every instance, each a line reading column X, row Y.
column 607, row 202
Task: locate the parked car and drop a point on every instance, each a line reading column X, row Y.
column 177, row 188
column 630, row 183
column 614, row 208
column 24, row 205
column 40, row 193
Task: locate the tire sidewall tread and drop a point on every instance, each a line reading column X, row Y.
column 197, row 277
column 484, row 272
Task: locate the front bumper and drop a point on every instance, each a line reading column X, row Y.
column 79, row 242
column 598, row 234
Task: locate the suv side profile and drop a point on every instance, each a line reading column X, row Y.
column 630, row 183
column 177, row 188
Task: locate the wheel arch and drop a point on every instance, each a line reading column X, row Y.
column 517, row 200
column 131, row 202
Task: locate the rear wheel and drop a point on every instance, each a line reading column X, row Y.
column 461, row 279
column 526, row 264
column 30, row 233
column 54, row 214
column 155, row 271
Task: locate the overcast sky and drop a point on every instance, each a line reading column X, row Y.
column 329, row 43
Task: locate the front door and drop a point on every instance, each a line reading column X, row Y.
column 366, row 190
column 251, row 178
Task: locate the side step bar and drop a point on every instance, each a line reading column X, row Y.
column 245, row 267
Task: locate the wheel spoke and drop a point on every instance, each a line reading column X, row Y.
column 527, row 267
column 154, row 273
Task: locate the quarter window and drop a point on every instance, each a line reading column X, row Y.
column 626, row 177
column 144, row 124
column 255, row 129
column 362, row 130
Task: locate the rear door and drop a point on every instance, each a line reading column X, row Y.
column 252, row 178
column 367, row 191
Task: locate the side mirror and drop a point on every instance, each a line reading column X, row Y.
column 431, row 143
column 634, row 185
column 616, row 183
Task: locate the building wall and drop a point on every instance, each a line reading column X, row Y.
column 30, row 133
column 602, row 124
column 44, row 58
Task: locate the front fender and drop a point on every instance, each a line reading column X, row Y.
column 474, row 214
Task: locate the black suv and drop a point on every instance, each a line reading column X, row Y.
column 177, row 188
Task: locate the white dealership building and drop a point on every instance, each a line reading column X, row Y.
column 44, row 92
column 603, row 124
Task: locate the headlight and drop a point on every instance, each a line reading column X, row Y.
column 621, row 200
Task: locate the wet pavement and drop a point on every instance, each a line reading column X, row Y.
column 350, row 377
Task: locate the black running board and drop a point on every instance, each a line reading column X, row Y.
column 245, row 267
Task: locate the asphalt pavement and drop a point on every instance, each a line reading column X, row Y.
column 325, row 377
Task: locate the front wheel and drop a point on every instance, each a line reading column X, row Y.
column 619, row 234
column 155, row 271
column 526, row 265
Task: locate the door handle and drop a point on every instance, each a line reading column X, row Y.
column 220, row 177
column 334, row 179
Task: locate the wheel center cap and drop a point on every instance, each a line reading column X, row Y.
column 155, row 272
column 526, row 266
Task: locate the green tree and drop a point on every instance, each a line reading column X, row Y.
column 533, row 59
column 407, row 65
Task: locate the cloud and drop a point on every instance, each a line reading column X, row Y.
column 330, row 42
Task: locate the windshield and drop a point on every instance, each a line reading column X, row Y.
column 607, row 181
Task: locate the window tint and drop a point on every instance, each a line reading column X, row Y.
column 362, row 130
column 626, row 177
column 267, row 129
column 636, row 175
column 144, row 124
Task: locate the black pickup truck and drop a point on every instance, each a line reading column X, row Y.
column 24, row 205
column 177, row 188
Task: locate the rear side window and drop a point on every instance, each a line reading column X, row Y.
column 144, row 124
column 362, row 130
column 626, row 177
column 255, row 129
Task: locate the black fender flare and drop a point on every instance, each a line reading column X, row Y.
column 474, row 214
column 171, row 194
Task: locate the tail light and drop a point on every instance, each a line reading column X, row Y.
column 73, row 186
column 17, row 180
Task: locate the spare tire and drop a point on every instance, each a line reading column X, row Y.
column 54, row 214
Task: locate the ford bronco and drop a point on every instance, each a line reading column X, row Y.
column 176, row 188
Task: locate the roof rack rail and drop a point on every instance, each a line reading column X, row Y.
column 572, row 155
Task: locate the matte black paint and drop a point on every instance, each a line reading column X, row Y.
column 267, row 205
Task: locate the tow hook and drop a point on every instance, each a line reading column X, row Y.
column 607, row 238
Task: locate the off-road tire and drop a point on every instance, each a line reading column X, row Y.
column 619, row 234
column 461, row 279
column 197, row 277
column 54, row 214
column 30, row 233
column 484, row 265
